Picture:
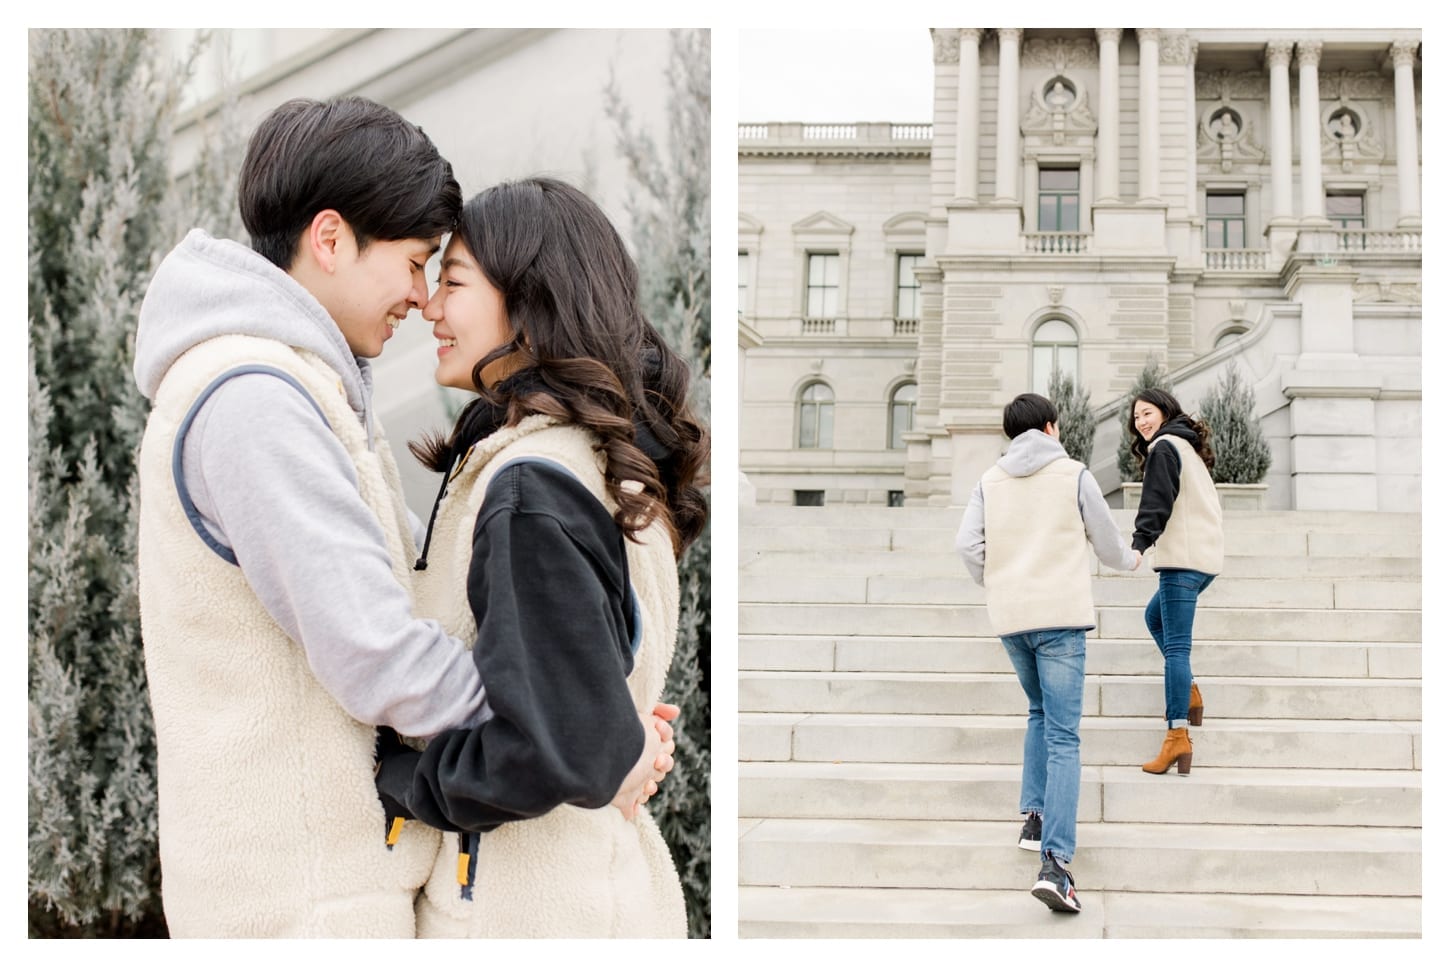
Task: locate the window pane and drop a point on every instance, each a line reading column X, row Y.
column 1225, row 204
column 810, row 498
column 1351, row 205
column 1057, row 178
column 905, row 393
column 1054, row 330
column 832, row 269
column 827, row 412
column 808, row 425
column 1235, row 234
column 828, row 303
column 1068, row 221
column 1067, row 361
column 1041, row 369
column 1047, row 217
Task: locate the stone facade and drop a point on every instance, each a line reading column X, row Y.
column 1090, row 199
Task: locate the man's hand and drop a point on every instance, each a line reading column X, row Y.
column 655, row 761
column 1137, row 559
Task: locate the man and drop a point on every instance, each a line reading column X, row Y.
column 1025, row 536
column 275, row 548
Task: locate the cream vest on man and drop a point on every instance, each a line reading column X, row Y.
column 571, row 872
column 1037, row 569
column 270, row 825
column 1193, row 536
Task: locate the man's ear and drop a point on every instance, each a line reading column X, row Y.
column 325, row 236
column 1050, row 429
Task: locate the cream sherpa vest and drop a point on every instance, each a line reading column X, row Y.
column 270, row 824
column 1193, row 537
column 572, row 872
column 1037, row 572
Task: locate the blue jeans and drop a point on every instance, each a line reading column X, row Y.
column 1170, row 621
column 1049, row 665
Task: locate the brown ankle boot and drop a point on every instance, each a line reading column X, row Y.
column 1195, row 705
column 1176, row 746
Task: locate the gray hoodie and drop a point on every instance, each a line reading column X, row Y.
column 1028, row 453
column 274, row 484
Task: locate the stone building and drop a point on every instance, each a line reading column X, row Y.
column 1090, row 200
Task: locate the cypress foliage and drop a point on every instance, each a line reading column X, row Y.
column 1153, row 376
column 102, row 210
column 669, row 209
column 1075, row 422
column 1241, row 454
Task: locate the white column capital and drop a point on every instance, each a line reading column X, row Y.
column 1278, row 53
column 1148, row 35
column 1110, row 35
column 943, row 46
column 971, row 34
column 1402, row 53
column 1014, row 34
column 1310, row 52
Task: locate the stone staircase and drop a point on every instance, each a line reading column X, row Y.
column 881, row 739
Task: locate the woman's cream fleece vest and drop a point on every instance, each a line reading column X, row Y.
column 270, row 824
column 1193, row 536
column 1037, row 573
column 572, row 872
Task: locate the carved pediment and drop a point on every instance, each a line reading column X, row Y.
column 1227, row 136
column 822, row 223
column 748, row 227
column 1059, row 113
column 906, row 224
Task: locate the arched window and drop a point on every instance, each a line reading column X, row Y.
column 817, row 408
column 1054, row 346
column 903, row 411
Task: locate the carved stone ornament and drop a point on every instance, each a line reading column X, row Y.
column 1176, row 49
column 816, row 365
column 1236, row 309
column 1347, row 136
column 1231, row 85
column 1060, row 53
column 1363, row 85
column 1054, row 295
column 945, row 45
column 1059, row 111
column 1226, row 136
column 1383, row 290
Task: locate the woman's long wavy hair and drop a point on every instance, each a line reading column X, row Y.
column 1170, row 410
column 585, row 354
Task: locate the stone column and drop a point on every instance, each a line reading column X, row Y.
column 1281, row 131
column 1407, row 151
column 1190, row 144
column 1149, row 143
column 1008, row 132
column 1108, row 39
column 1311, row 167
column 969, row 122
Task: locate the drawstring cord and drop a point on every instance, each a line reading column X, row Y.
column 422, row 563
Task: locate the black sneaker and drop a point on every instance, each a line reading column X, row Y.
column 1055, row 887
column 1031, row 837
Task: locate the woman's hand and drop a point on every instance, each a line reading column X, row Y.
column 655, row 761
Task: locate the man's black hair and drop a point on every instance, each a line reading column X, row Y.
column 380, row 172
column 1027, row 412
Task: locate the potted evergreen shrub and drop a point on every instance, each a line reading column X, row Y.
column 1241, row 454
column 1075, row 423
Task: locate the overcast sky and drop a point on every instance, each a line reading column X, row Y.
column 835, row 75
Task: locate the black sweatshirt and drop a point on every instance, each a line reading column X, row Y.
column 549, row 587
column 1161, row 473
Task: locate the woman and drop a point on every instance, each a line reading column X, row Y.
column 571, row 484
column 1179, row 516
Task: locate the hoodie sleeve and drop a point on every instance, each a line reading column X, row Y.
column 549, row 586
column 1160, row 490
column 972, row 536
column 273, row 483
column 1102, row 531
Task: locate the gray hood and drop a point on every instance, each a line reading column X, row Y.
column 210, row 287
column 1029, row 452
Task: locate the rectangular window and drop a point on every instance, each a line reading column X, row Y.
column 908, row 289
column 810, row 498
column 1224, row 221
column 895, row 498
column 823, row 285
column 1057, row 200
column 1346, row 211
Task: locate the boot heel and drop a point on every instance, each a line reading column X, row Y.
column 1185, row 761
column 1195, row 716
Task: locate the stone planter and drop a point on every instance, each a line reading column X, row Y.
column 1230, row 496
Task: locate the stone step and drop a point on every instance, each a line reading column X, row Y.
column 1110, row 695
column 945, row 563
column 1105, row 656
column 824, row 913
column 846, row 536
column 783, row 586
column 1211, row 623
column 1209, row 795
column 1313, row 861
column 1272, row 744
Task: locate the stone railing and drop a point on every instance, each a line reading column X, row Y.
column 818, row 327
column 1362, row 240
column 905, row 327
column 1055, row 243
column 752, row 132
column 868, row 136
column 1236, row 259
